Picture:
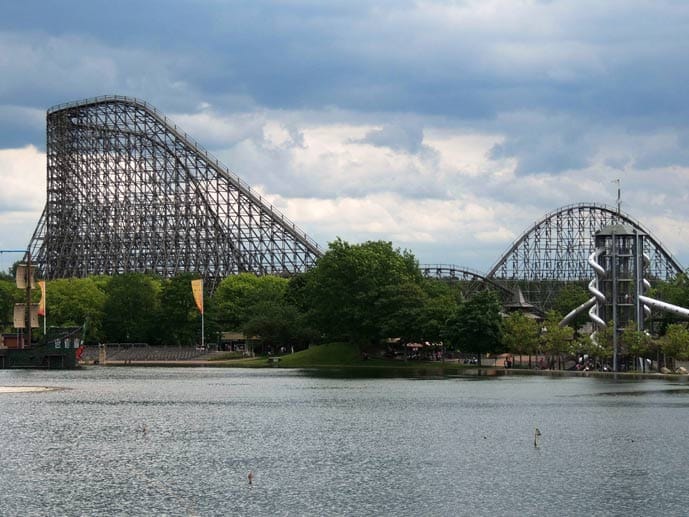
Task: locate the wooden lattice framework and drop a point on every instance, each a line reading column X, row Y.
column 555, row 249
column 128, row 191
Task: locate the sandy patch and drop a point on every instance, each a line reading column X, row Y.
column 25, row 389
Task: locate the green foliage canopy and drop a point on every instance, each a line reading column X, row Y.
column 9, row 295
column 237, row 296
column 555, row 340
column 476, row 325
column 362, row 292
column 180, row 319
column 635, row 342
column 131, row 309
column 675, row 342
column 75, row 302
column 569, row 298
column 520, row 334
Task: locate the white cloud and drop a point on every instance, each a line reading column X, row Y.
column 23, row 178
column 22, row 196
column 447, row 127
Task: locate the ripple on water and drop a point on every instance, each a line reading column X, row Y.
column 339, row 446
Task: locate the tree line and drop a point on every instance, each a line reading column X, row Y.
column 356, row 293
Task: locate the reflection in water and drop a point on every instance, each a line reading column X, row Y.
column 340, row 443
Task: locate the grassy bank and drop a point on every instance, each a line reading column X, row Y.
column 332, row 355
column 347, row 356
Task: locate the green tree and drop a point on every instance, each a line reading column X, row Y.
column 556, row 340
column 267, row 308
column 348, row 290
column 233, row 302
column 569, row 298
column 476, row 326
column 402, row 310
column 636, row 343
column 8, row 297
column 441, row 301
column 273, row 323
column 520, row 334
column 180, row 319
column 131, row 309
column 603, row 342
column 76, row 302
column 675, row 342
column 676, row 292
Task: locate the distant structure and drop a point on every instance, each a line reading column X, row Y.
column 128, row 191
column 555, row 250
column 620, row 265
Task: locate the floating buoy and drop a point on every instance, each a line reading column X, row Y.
column 250, row 477
column 537, row 433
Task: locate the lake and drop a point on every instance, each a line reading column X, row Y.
column 180, row 441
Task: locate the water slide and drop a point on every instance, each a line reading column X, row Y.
column 664, row 306
column 598, row 296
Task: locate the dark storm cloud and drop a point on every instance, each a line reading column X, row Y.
column 545, row 144
column 385, row 56
column 558, row 87
column 585, row 64
column 21, row 126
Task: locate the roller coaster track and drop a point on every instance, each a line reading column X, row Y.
column 463, row 274
column 130, row 191
column 555, row 250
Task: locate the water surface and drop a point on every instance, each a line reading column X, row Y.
column 340, row 444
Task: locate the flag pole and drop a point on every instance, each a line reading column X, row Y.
column 203, row 324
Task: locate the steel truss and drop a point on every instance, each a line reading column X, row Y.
column 129, row 191
column 556, row 248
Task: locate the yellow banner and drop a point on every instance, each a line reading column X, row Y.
column 197, row 289
column 41, row 305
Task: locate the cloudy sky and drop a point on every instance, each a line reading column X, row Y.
column 446, row 127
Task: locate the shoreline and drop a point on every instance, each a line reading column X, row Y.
column 446, row 369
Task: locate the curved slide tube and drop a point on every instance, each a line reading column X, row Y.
column 598, row 296
column 570, row 315
column 593, row 262
column 594, row 316
column 593, row 289
column 664, row 306
column 646, row 284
